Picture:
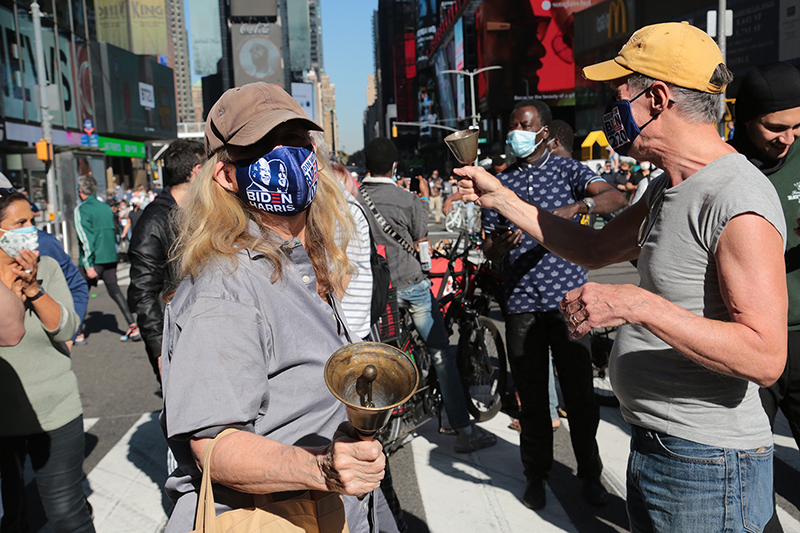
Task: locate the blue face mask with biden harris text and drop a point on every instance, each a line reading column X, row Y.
column 282, row 182
column 620, row 127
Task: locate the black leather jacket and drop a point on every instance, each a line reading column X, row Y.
column 151, row 274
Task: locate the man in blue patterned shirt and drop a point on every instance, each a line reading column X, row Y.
column 535, row 282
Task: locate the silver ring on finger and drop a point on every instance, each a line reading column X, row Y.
column 29, row 271
column 574, row 320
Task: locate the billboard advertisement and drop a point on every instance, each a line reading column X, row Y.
column 205, row 36
column 427, row 20
column 148, row 23
column 256, row 53
column 254, row 8
column 303, row 93
column 299, row 28
column 445, row 82
column 458, row 39
column 123, row 107
column 83, row 83
column 112, row 22
column 19, row 76
column 136, row 25
column 533, row 42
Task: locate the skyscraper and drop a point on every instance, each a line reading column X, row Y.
column 178, row 60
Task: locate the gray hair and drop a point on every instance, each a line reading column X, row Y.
column 88, row 185
column 695, row 106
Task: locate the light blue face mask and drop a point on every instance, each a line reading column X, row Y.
column 523, row 143
column 13, row 241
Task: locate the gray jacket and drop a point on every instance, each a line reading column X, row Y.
column 407, row 213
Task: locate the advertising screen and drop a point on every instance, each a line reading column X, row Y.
column 148, row 22
column 533, row 42
column 256, row 53
column 254, row 8
column 205, row 36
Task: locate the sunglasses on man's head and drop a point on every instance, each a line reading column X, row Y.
column 7, row 191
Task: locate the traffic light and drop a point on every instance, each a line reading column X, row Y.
column 44, row 150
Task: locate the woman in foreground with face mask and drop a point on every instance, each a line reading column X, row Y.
column 248, row 332
column 42, row 413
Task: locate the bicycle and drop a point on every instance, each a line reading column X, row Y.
column 480, row 352
column 457, row 221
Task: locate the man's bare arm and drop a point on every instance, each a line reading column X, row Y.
column 582, row 245
column 752, row 279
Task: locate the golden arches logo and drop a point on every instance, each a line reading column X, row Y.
column 617, row 18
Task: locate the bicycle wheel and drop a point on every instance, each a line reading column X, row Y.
column 453, row 220
column 481, row 362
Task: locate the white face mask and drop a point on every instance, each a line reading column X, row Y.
column 13, row 241
column 644, row 165
column 523, row 143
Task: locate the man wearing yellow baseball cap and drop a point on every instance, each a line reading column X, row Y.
column 706, row 325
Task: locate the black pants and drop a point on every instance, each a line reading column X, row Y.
column 108, row 273
column 57, row 458
column 528, row 336
column 784, row 394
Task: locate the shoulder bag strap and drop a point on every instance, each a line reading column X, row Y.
column 390, row 231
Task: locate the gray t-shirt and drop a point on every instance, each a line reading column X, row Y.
column 240, row 351
column 658, row 387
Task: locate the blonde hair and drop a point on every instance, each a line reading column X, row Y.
column 213, row 226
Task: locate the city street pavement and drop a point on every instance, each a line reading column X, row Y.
column 441, row 491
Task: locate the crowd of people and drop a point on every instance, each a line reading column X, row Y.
column 257, row 230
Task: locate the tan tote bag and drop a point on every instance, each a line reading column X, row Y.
column 311, row 512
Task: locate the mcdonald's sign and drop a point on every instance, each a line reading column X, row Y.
column 617, row 18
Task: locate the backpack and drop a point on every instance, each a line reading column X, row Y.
column 381, row 277
column 381, row 281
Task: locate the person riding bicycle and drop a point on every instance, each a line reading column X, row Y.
column 407, row 215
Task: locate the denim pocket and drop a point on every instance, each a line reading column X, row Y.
column 688, row 451
column 755, row 476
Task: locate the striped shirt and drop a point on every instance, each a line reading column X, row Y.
column 357, row 302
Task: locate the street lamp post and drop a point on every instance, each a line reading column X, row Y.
column 47, row 130
column 425, row 125
column 333, row 134
column 471, row 74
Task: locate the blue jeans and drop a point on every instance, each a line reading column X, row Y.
column 429, row 322
column 551, row 389
column 679, row 485
column 57, row 459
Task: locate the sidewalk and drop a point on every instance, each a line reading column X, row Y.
column 475, row 492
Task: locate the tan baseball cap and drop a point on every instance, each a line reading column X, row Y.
column 244, row 115
column 673, row 52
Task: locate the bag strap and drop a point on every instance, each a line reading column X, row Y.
column 206, row 518
column 390, row 231
column 373, row 247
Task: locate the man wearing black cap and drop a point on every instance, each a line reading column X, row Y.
column 767, row 125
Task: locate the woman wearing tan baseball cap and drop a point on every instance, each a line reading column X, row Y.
column 249, row 330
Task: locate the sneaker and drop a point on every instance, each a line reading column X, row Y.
column 477, row 440
column 132, row 334
column 80, row 340
column 594, row 492
column 534, row 497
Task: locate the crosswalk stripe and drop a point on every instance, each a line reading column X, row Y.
column 481, row 486
column 126, row 487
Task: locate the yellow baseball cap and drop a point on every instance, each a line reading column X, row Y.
column 673, row 52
